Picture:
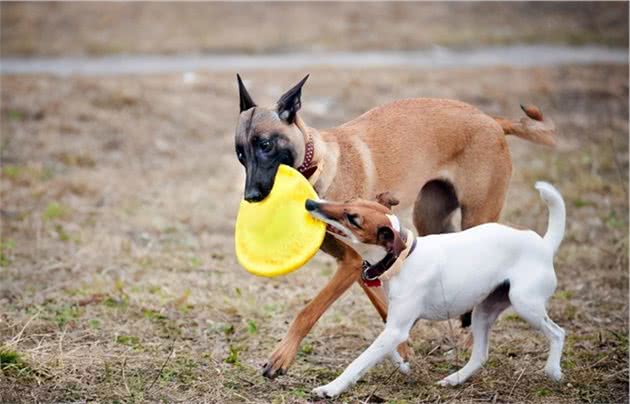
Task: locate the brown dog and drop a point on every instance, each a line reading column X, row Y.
column 446, row 161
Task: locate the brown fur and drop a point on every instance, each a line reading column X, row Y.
column 459, row 151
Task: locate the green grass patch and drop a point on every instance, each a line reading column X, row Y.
column 622, row 340
column 196, row 262
column 11, row 172
column 580, row 203
column 95, row 323
column 153, row 315
column 12, row 363
column 442, row 367
column 6, row 247
column 252, row 328
column 62, row 315
column 181, row 370
column 8, row 357
column 613, row 220
column 564, row 294
column 54, row 210
column 513, row 317
column 232, row 357
column 306, row 348
column 15, row 115
column 115, row 303
column 299, row 393
column 61, row 233
column 128, row 340
column 570, row 312
column 272, row 308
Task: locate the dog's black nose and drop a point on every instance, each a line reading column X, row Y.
column 253, row 195
column 310, row 205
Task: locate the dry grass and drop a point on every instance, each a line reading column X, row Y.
column 55, row 29
column 119, row 281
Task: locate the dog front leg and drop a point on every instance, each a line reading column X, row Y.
column 378, row 298
column 347, row 273
column 384, row 344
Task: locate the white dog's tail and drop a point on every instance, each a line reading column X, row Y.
column 557, row 214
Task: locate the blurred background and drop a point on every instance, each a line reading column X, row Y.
column 120, row 187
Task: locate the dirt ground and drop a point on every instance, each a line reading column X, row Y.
column 118, row 276
column 103, row 28
column 118, row 281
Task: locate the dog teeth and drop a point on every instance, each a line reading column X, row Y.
column 334, row 230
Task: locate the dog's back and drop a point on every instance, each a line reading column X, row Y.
column 456, row 271
column 455, row 139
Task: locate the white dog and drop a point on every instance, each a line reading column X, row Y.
column 438, row 277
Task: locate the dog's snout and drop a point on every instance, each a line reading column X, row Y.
column 254, row 195
column 310, row 205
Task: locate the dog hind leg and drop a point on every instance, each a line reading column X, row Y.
column 534, row 312
column 483, row 317
column 435, row 207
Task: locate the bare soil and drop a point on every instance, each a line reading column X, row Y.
column 119, row 281
column 99, row 28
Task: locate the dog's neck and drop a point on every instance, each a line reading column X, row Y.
column 319, row 159
column 390, row 265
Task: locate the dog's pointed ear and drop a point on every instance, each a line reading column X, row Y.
column 245, row 99
column 387, row 199
column 290, row 102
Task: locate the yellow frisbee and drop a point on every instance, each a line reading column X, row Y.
column 277, row 235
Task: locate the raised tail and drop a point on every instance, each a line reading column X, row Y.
column 532, row 127
column 557, row 214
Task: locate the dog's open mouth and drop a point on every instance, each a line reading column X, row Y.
column 334, row 230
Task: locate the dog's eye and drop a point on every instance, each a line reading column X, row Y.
column 240, row 155
column 265, row 145
column 354, row 220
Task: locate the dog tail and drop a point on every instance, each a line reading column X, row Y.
column 557, row 214
column 532, row 127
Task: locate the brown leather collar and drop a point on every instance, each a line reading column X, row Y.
column 370, row 273
column 306, row 169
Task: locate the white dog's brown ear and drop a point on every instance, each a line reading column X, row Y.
column 291, row 102
column 387, row 199
column 385, row 235
column 388, row 238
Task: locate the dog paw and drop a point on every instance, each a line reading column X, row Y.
column 279, row 361
column 271, row 372
column 452, row 380
column 404, row 368
column 331, row 390
column 554, row 373
column 400, row 362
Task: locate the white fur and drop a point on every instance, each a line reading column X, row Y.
column 365, row 155
column 394, row 221
column 449, row 274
